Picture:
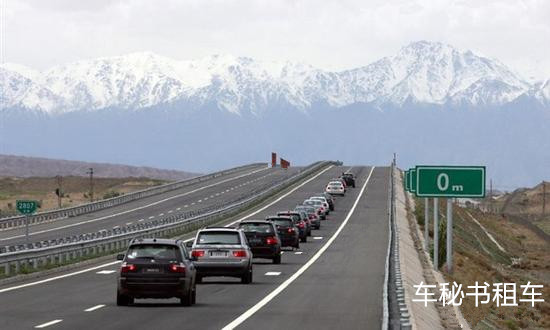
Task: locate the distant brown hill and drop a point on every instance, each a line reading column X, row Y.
column 20, row 166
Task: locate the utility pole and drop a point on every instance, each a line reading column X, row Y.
column 91, row 173
column 491, row 195
column 543, row 198
column 59, row 191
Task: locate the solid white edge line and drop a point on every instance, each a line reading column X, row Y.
column 91, row 309
column 385, row 307
column 47, row 324
column 58, row 277
column 243, row 317
column 275, row 201
column 132, row 210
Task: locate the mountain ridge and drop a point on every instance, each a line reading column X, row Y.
column 422, row 72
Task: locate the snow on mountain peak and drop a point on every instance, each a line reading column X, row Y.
column 421, row 72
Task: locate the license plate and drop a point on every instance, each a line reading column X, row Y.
column 255, row 240
column 152, row 270
column 218, row 254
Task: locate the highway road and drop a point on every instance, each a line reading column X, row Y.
column 191, row 198
column 335, row 280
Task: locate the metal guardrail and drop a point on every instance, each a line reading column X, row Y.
column 404, row 321
column 48, row 216
column 115, row 240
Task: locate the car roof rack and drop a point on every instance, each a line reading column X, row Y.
column 219, row 227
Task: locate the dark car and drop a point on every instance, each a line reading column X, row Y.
column 349, row 178
column 329, row 199
column 263, row 239
column 156, row 268
column 287, row 230
column 314, row 218
column 301, row 221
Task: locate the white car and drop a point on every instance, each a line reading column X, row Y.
column 323, row 200
column 335, row 188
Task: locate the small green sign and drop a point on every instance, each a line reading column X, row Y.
column 26, row 206
column 450, row 181
column 407, row 180
column 412, row 179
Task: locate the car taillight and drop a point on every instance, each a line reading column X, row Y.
column 197, row 253
column 271, row 240
column 177, row 268
column 127, row 268
column 290, row 230
column 318, row 212
column 239, row 254
column 312, row 216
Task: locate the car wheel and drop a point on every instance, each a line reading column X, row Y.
column 187, row 300
column 318, row 226
column 303, row 239
column 123, row 300
column 198, row 280
column 247, row 277
column 297, row 246
column 194, row 295
column 277, row 259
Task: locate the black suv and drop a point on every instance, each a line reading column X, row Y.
column 156, row 268
column 263, row 239
column 349, row 178
column 287, row 230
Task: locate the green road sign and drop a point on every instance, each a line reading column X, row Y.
column 407, row 180
column 412, row 179
column 26, row 206
column 450, row 181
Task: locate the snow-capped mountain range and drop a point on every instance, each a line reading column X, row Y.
column 421, row 73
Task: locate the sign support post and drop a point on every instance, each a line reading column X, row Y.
column 436, row 233
column 26, row 207
column 449, row 235
column 426, row 223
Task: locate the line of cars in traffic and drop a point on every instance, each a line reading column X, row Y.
column 167, row 268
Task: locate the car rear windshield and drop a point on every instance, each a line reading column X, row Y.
column 294, row 216
column 153, row 251
column 282, row 222
column 257, row 227
column 219, row 237
column 335, row 184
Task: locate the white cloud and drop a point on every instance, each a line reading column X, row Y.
column 329, row 34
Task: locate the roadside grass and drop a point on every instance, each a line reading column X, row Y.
column 75, row 190
column 478, row 258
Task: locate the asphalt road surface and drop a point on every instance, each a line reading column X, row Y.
column 335, row 280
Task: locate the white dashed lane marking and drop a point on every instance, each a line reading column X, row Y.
column 318, row 237
column 96, row 307
column 47, row 324
column 106, row 272
column 160, row 215
column 298, row 252
column 116, row 227
column 141, row 220
column 170, row 211
column 151, row 217
column 272, row 273
column 128, row 223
